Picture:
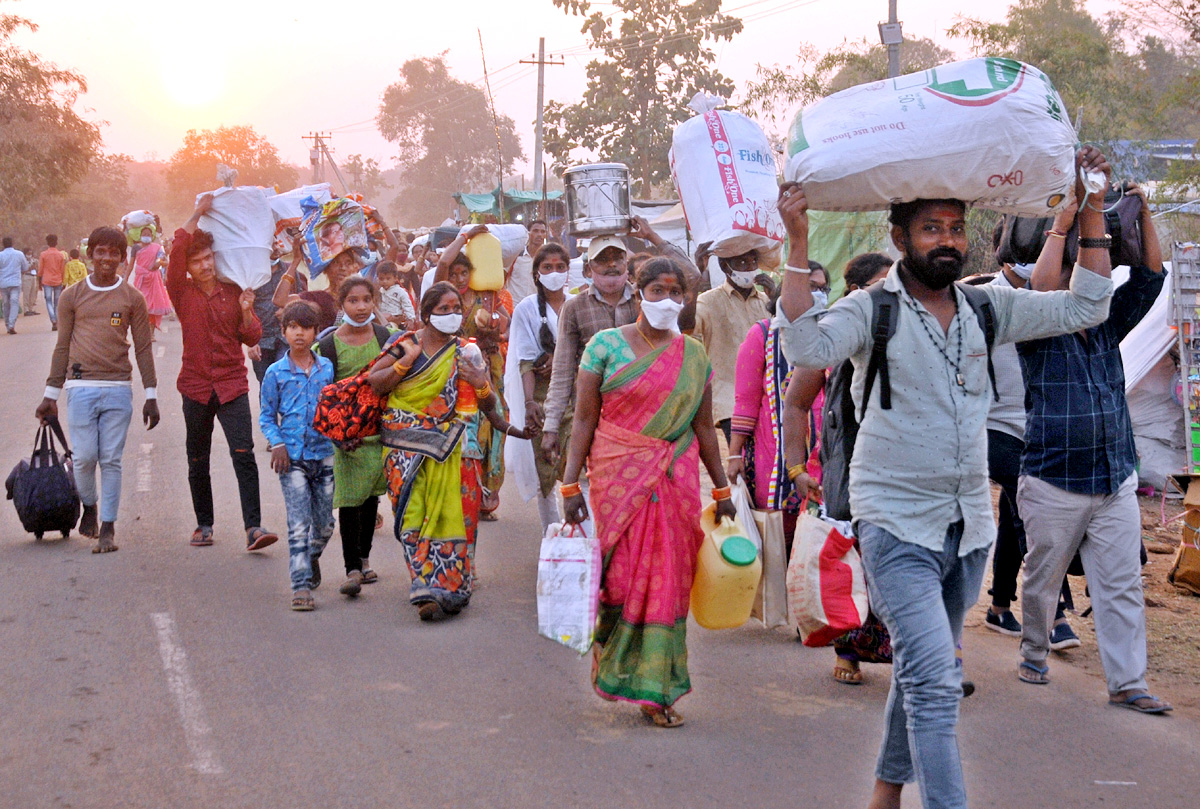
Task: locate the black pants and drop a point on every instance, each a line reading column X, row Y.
column 726, row 427
column 269, row 356
column 357, row 527
column 238, row 425
column 1004, row 467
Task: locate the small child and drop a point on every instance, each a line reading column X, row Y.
column 75, row 270
column 394, row 302
column 302, row 457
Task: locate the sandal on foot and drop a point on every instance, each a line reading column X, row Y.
column 257, row 539
column 428, row 610
column 353, row 584
column 662, row 717
column 1032, row 673
column 488, row 516
column 847, row 672
column 202, row 537
column 302, row 601
column 369, row 575
column 1153, row 706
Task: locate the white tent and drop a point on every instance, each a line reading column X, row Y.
column 1151, row 389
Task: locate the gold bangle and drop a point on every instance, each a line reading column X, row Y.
column 485, row 391
column 570, row 489
column 794, row 472
column 400, row 368
column 723, row 493
column 1056, row 233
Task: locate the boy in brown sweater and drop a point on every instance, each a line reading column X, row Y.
column 91, row 360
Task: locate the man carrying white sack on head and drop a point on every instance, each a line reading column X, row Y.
column 918, row 479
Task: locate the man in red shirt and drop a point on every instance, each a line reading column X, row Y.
column 51, row 264
column 216, row 319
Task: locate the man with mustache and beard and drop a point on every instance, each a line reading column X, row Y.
column 918, row 478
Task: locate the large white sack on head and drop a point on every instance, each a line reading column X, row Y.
column 242, row 226
column 513, row 239
column 285, row 207
column 992, row 132
column 724, row 171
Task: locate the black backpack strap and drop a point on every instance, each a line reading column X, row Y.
column 381, row 334
column 985, row 313
column 329, row 351
column 885, row 312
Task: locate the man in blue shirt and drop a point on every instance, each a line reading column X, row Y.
column 1077, row 490
column 13, row 265
column 302, row 457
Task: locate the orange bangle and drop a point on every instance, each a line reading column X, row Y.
column 400, row 368
column 570, row 489
column 723, row 493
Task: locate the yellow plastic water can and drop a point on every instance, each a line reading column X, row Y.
column 728, row 571
column 487, row 263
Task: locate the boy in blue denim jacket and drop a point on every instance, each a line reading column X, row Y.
column 302, row 457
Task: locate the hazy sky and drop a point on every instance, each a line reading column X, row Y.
column 287, row 68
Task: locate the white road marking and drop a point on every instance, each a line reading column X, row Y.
column 1115, row 783
column 196, row 729
column 159, row 352
column 145, row 468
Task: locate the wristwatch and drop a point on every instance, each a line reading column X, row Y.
column 1102, row 243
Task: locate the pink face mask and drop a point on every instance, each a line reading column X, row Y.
column 609, row 284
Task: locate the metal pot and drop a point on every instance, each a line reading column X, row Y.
column 597, row 199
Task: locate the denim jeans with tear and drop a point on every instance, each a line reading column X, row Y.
column 308, row 495
column 921, row 596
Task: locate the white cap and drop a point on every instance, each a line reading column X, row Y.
column 601, row 242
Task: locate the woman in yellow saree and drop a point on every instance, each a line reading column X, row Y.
column 643, row 422
column 432, row 393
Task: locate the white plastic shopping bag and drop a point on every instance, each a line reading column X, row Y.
column 568, row 586
column 990, row 131
column 740, row 495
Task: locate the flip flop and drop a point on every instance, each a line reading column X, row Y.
column 1131, row 701
column 662, row 717
column 845, row 674
column 257, row 539
column 202, row 537
column 303, row 603
column 1033, row 674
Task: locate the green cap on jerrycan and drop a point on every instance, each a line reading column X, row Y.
column 739, row 551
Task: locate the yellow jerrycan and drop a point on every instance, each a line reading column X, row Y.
column 487, row 262
column 727, row 574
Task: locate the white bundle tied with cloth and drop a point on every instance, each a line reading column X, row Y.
column 513, row 238
column 992, row 132
column 724, row 170
column 242, row 228
column 286, row 209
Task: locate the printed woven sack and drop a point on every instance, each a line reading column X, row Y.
column 43, row 488
column 826, row 587
column 568, row 586
column 329, row 229
column 350, row 409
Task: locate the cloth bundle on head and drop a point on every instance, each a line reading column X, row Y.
column 134, row 222
column 288, row 214
column 724, row 170
column 242, row 227
column 992, row 132
column 330, row 228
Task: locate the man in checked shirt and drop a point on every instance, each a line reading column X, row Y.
column 1077, row 485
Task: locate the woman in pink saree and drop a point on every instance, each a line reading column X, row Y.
column 148, row 280
column 643, row 422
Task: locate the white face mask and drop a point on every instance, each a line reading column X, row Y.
column 662, row 314
column 820, row 299
column 553, row 281
column 446, row 324
column 1024, row 271
column 347, row 319
column 743, row 279
column 147, row 239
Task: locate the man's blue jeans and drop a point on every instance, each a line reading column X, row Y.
column 52, row 294
column 308, row 495
column 98, row 418
column 922, row 596
column 11, row 299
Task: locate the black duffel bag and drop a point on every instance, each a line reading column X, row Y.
column 43, row 488
column 1022, row 238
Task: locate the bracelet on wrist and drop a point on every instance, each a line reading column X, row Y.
column 801, row 270
column 1056, row 233
column 1097, row 243
column 722, row 493
column 795, row 471
column 485, row 391
column 400, row 368
column 570, row 489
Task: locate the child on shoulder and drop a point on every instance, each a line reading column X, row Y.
column 302, row 457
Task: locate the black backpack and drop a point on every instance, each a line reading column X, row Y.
column 43, row 488
column 328, row 348
column 839, row 423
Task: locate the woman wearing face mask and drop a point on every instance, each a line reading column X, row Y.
column 432, row 388
column 148, row 279
column 486, row 317
column 357, row 466
column 643, row 422
column 527, row 377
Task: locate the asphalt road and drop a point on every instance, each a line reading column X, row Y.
column 171, row 676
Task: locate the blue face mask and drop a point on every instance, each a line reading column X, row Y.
column 347, row 319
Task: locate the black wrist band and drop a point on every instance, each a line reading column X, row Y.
column 1101, row 243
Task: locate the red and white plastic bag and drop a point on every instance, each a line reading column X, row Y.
column 826, row 586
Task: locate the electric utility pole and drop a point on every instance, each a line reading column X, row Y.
column 316, row 154
column 537, row 136
column 891, row 34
